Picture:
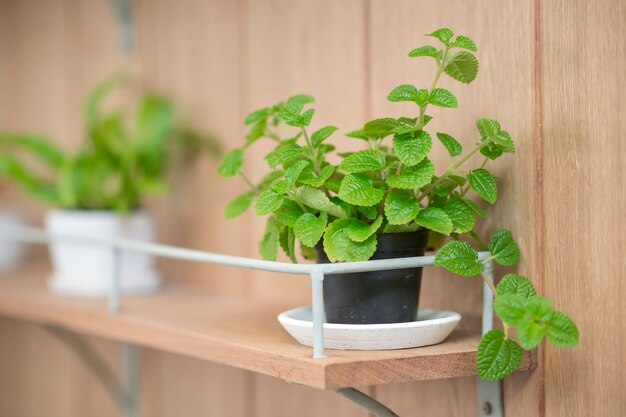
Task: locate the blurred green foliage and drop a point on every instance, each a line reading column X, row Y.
column 122, row 159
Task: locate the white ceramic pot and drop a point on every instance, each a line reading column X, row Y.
column 87, row 270
column 10, row 251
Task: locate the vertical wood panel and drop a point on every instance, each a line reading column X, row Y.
column 583, row 126
column 302, row 47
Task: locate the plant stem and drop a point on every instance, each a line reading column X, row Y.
column 247, row 180
column 453, row 168
column 440, row 66
column 489, row 282
column 312, row 151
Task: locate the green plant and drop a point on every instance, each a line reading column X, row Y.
column 391, row 187
column 116, row 165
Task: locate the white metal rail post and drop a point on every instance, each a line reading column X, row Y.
column 315, row 271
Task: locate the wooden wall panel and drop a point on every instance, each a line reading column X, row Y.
column 584, row 52
column 316, row 48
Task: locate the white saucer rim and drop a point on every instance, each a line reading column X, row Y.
column 451, row 317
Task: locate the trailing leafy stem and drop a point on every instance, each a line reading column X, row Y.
column 116, row 165
column 392, row 187
column 516, row 303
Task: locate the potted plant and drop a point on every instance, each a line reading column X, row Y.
column 386, row 201
column 97, row 191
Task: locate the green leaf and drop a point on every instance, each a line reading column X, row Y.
column 435, row 219
column 232, row 163
column 475, row 207
column 380, row 128
column 421, row 99
column 268, row 247
column 238, row 205
column 357, row 189
column 287, row 242
column 310, row 178
column 268, row 202
column 307, row 116
column 425, row 51
column 503, row 248
column 411, row 148
column 285, row 152
column 465, row 43
column 257, row 131
column 339, row 247
column 462, row 66
column 360, row 231
column 492, row 151
column 463, row 218
column 358, row 134
column 288, row 213
column 405, row 92
column 539, row 308
column 561, row 330
column 321, row 135
column 290, row 112
column 497, row 356
column 257, row 115
column 309, row 228
column 530, row 333
column 413, row 177
column 504, row 141
column 454, row 148
column 443, row 98
column 483, row 184
column 301, row 99
column 443, row 34
column 488, row 128
column 510, row 308
column 318, row 200
column 460, row 258
column 39, row 147
column 401, row 207
column 362, row 161
column 516, row 285
column 308, row 253
column 291, row 176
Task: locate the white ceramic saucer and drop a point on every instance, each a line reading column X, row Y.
column 430, row 328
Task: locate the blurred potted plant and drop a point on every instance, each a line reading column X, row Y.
column 97, row 191
column 386, row 201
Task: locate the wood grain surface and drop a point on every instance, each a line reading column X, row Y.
column 583, row 128
column 552, row 71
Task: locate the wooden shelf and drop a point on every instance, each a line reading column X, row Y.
column 239, row 332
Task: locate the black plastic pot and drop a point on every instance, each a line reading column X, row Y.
column 378, row 296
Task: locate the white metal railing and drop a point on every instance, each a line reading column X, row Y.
column 316, row 272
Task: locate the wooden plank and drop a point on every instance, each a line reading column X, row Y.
column 503, row 90
column 583, row 128
column 237, row 331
